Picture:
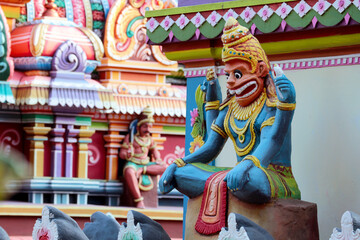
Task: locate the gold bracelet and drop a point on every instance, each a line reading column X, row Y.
column 213, row 105
column 285, row 106
column 217, row 129
column 253, row 159
column 180, row 162
column 124, row 145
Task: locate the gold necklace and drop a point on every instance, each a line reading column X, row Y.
column 141, row 141
column 243, row 113
column 248, row 113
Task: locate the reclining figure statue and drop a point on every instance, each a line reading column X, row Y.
column 256, row 115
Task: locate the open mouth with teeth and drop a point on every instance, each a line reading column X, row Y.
column 246, row 90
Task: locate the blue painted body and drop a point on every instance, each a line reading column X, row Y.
column 247, row 182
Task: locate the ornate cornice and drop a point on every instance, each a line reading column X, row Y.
column 307, row 63
column 207, row 21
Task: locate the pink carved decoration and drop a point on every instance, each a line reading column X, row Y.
column 283, row 24
column 347, row 18
column 314, row 21
column 197, row 33
column 79, row 12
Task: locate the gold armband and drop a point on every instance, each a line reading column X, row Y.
column 139, row 199
column 214, row 105
column 179, row 162
column 286, row 106
column 217, row 129
column 144, row 170
column 267, row 122
column 124, row 145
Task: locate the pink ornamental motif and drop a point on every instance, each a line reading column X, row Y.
column 213, row 18
column 230, row 13
column 321, row 6
column 167, row 23
column 182, row 21
column 152, row 24
column 265, row 13
column 247, row 14
column 284, row 10
column 179, row 153
column 198, row 20
column 341, row 5
column 302, row 8
column 194, row 114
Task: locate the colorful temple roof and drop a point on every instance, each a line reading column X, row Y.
column 42, row 37
column 35, row 45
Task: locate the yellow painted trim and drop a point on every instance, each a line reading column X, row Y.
column 87, row 211
column 311, row 44
column 201, row 53
column 153, row 67
column 272, row 48
column 88, row 14
column 37, row 39
column 96, row 42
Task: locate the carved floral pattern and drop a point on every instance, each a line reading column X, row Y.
column 69, row 57
column 8, row 139
column 125, row 31
column 196, row 144
column 178, row 153
column 93, row 155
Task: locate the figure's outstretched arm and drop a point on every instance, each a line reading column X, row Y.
column 273, row 137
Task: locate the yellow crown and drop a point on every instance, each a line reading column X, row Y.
column 146, row 116
column 239, row 43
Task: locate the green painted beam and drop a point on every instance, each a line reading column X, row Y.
column 83, row 121
column 211, row 7
column 174, row 129
column 100, row 126
column 38, row 118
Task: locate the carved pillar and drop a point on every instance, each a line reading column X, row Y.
column 113, row 140
column 84, row 139
column 57, row 141
column 69, row 157
column 37, row 136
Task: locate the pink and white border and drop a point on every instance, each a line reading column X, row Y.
column 298, row 64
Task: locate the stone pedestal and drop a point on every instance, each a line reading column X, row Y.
column 284, row 218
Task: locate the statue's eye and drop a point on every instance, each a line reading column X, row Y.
column 237, row 74
column 227, row 76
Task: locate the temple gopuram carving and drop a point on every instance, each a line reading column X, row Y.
column 78, row 72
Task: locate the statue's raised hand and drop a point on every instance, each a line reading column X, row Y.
column 284, row 88
column 166, row 183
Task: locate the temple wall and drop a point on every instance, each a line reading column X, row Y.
column 325, row 137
